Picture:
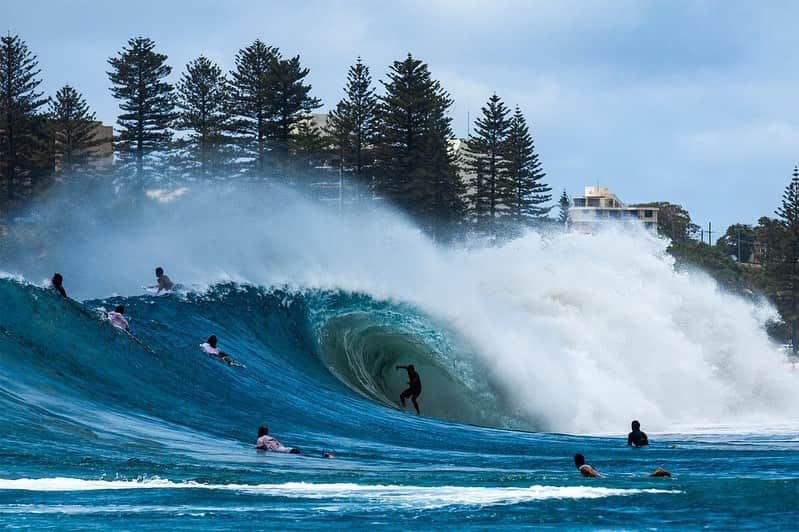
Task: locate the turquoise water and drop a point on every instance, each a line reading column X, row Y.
column 102, row 431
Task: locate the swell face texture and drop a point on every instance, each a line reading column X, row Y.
column 559, row 332
column 364, row 347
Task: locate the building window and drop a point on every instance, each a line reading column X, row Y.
column 647, row 214
column 593, row 202
column 579, row 202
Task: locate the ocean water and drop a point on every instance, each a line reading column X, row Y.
column 529, row 352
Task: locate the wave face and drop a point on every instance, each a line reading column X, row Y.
column 567, row 333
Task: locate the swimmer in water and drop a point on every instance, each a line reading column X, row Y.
column 266, row 442
column 637, row 437
column 58, row 284
column 585, row 469
column 660, row 472
column 118, row 320
column 414, row 387
column 164, row 282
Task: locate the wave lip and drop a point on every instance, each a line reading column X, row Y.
column 426, row 497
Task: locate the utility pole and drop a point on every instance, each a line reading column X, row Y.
column 709, row 234
column 739, row 245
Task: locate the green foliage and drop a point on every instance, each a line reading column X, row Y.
column 493, row 194
column 674, row 222
column 530, row 193
column 712, row 259
column 782, row 258
column 202, row 100
column 24, row 158
column 415, row 166
column 138, row 75
column 739, row 241
column 353, row 126
column 73, row 129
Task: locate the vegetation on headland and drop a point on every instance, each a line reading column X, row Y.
column 255, row 123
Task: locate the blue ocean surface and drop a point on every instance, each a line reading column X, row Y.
column 100, row 430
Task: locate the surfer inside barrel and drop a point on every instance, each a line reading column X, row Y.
column 414, row 386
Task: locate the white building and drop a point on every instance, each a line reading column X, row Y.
column 599, row 205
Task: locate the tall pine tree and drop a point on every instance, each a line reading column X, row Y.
column 22, row 135
column 782, row 265
column 530, row 193
column 353, row 125
column 269, row 97
column 251, row 101
column 290, row 101
column 416, row 167
column 138, row 76
column 73, row 128
column 307, row 148
column 563, row 204
column 493, row 188
column 203, row 112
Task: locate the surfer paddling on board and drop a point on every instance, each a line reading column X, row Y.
column 118, row 320
column 585, row 469
column 209, row 347
column 414, row 387
column 268, row 443
column 164, row 282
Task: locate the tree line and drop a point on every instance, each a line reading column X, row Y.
column 255, row 122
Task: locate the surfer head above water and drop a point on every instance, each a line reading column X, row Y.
column 637, row 437
column 585, row 469
column 414, row 387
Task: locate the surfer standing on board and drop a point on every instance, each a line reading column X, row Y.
column 414, row 387
column 58, row 284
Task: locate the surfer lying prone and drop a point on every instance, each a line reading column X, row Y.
column 209, row 347
column 266, row 442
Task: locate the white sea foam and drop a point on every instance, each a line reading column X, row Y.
column 412, row 496
column 581, row 333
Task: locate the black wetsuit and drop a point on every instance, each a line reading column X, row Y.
column 60, row 290
column 414, row 389
column 637, row 438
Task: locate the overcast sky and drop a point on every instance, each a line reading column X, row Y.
column 693, row 102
